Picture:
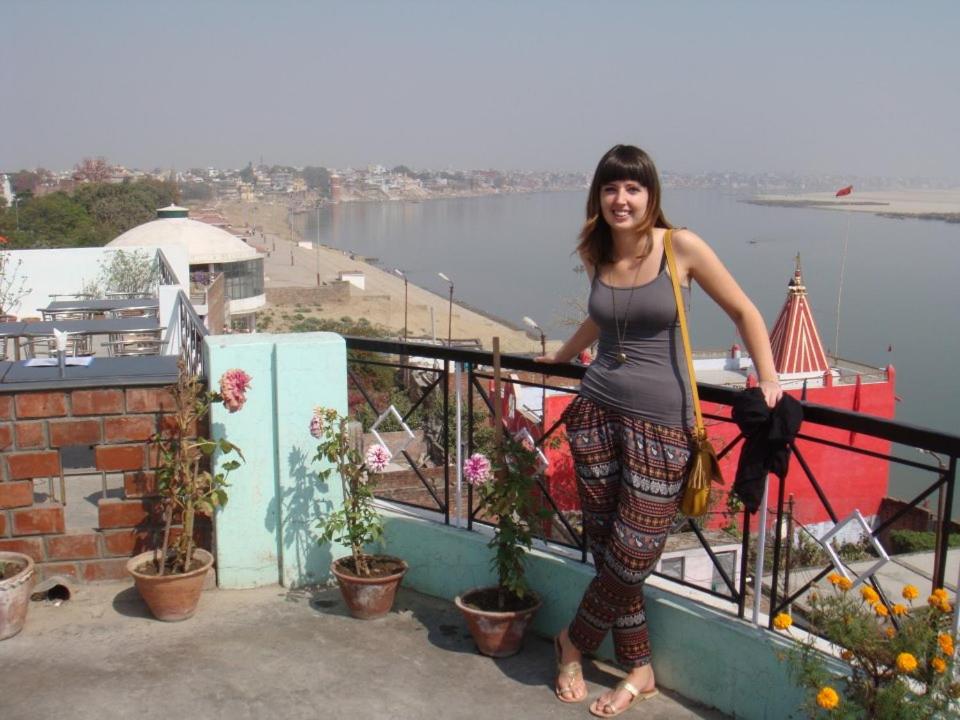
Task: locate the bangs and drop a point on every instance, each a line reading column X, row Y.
column 625, row 162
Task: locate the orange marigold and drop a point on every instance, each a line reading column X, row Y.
column 899, row 609
column 938, row 665
column 946, row 644
column 881, row 610
column 782, row 621
column 845, row 584
column 834, row 578
column 890, row 632
column 910, row 592
column 906, row 663
column 827, row 698
column 846, row 655
column 869, row 594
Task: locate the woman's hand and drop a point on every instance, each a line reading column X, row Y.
column 772, row 392
column 549, row 358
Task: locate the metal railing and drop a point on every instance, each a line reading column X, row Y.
column 457, row 376
column 190, row 333
column 166, row 271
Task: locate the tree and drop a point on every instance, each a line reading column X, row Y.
column 116, row 208
column 402, row 170
column 25, row 181
column 317, row 178
column 94, row 170
column 247, row 174
column 128, row 271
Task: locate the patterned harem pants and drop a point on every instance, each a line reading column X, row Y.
column 630, row 473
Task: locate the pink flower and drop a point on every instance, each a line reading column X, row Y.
column 233, row 388
column 476, row 470
column 377, row 458
column 316, row 423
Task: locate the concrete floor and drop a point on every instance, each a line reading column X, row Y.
column 271, row 653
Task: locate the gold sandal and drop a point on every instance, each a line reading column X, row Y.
column 571, row 671
column 635, row 697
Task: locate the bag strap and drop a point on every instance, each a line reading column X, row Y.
column 682, row 315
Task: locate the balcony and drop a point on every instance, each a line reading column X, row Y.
column 711, row 635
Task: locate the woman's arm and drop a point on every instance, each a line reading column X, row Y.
column 697, row 260
column 585, row 335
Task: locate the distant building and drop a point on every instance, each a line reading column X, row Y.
column 212, row 251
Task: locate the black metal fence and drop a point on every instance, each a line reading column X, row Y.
column 457, row 376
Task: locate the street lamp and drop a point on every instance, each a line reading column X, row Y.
column 402, row 274
column 316, row 248
column 531, row 323
column 450, row 314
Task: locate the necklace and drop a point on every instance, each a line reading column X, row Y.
column 621, row 355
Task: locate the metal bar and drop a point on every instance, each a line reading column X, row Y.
column 813, row 481
column 556, row 511
column 470, row 383
column 363, row 391
column 761, row 552
column 908, row 507
column 457, row 374
column 446, row 441
column 777, row 542
column 943, row 532
column 423, row 480
column 423, row 396
column 730, row 446
column 744, row 564
column 713, row 559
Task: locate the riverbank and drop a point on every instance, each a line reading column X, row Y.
column 293, row 262
column 943, row 205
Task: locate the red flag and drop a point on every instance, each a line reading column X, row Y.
column 844, row 191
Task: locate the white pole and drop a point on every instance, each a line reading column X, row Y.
column 457, row 367
column 761, row 550
column 843, row 262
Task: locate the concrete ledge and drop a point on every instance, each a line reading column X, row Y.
column 701, row 653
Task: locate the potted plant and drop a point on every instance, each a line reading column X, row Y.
column 16, row 580
column 498, row 616
column 170, row 579
column 367, row 582
column 900, row 657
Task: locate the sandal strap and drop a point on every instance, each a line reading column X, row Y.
column 628, row 687
column 570, row 668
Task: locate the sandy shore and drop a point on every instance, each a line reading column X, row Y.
column 923, row 204
column 381, row 302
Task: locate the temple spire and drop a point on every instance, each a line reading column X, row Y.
column 794, row 339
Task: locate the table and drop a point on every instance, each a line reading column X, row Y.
column 101, row 305
column 102, row 372
column 96, row 326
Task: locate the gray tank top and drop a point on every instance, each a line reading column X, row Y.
column 653, row 383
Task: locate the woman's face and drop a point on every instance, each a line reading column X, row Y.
column 623, row 204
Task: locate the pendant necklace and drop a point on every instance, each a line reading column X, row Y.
column 622, row 334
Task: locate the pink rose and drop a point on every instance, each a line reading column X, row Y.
column 476, row 469
column 377, row 458
column 233, row 388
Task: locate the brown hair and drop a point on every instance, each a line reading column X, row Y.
column 621, row 162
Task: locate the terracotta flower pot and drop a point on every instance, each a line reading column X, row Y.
column 170, row 597
column 368, row 598
column 15, row 594
column 497, row 633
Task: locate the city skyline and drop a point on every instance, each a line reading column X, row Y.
column 823, row 88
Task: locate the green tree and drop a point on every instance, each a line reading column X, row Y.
column 317, row 178
column 247, row 174
column 114, row 209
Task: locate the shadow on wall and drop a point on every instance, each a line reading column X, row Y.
column 297, row 506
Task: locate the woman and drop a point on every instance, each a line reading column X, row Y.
column 630, row 427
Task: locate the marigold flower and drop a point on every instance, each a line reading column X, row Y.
column 846, row 655
column 827, row 698
column 377, row 458
column 939, row 602
column 233, row 389
column 906, row 663
column 834, row 578
column 881, row 610
column 946, row 644
column 476, row 469
column 845, row 584
column 941, row 593
column 899, row 609
column 910, row 592
column 869, row 594
column 782, row 621
column 890, row 632
column 938, row 665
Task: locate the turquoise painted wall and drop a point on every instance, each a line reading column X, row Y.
column 265, row 535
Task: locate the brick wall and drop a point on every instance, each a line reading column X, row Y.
column 117, row 424
column 337, row 291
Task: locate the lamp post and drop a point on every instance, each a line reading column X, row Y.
column 531, row 323
column 316, row 249
column 402, row 274
column 940, row 500
column 450, row 313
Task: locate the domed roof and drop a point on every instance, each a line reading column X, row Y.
column 204, row 243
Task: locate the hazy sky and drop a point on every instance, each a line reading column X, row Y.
column 859, row 88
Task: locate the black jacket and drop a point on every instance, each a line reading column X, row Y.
column 766, row 448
